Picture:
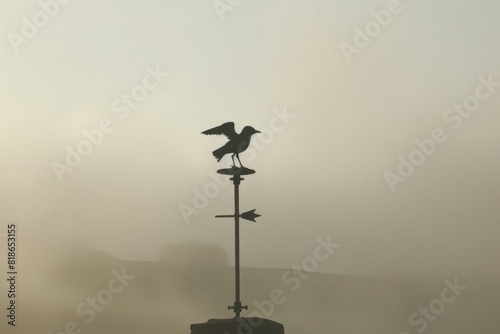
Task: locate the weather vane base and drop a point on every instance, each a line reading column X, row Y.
column 238, row 325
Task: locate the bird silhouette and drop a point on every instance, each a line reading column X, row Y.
column 237, row 142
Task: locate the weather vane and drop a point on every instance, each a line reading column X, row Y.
column 236, row 144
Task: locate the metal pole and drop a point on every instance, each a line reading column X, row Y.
column 249, row 215
column 237, row 303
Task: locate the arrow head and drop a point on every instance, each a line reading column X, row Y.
column 250, row 215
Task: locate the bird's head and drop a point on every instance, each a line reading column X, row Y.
column 248, row 130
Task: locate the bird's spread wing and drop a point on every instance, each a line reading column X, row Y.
column 226, row 129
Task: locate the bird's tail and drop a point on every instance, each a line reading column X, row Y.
column 218, row 153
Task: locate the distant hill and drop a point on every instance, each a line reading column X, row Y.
column 166, row 297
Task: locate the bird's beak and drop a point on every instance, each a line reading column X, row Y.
column 257, row 131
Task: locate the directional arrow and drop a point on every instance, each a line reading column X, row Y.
column 250, row 215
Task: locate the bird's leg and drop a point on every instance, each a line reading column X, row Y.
column 237, row 156
column 232, row 157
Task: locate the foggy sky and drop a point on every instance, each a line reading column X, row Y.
column 321, row 174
